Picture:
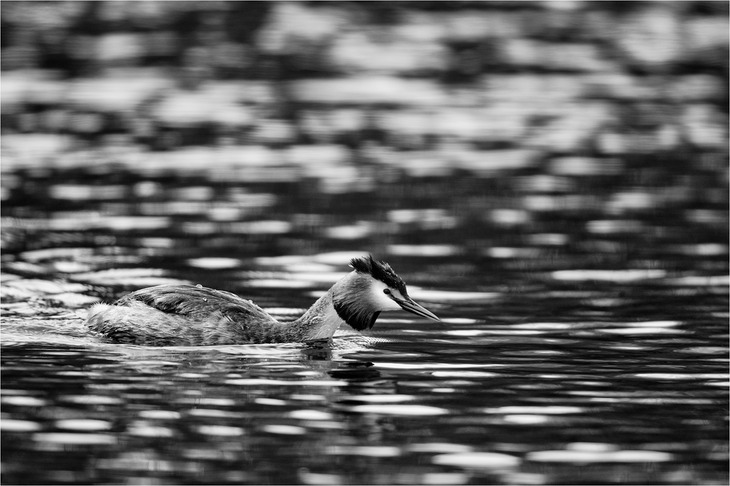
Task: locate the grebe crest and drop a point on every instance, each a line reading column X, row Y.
column 373, row 288
column 379, row 270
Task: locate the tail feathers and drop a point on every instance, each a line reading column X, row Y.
column 95, row 311
column 101, row 318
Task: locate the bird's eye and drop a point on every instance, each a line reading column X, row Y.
column 386, row 291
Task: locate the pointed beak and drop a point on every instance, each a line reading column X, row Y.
column 410, row 305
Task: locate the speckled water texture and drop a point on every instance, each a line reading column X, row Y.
column 549, row 178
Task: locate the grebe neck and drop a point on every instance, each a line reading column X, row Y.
column 320, row 321
column 344, row 302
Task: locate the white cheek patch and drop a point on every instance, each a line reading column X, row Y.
column 382, row 301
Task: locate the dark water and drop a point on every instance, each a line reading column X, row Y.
column 550, row 178
column 583, row 339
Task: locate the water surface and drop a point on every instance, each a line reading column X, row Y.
column 550, row 178
column 571, row 349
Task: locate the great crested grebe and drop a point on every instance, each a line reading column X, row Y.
column 190, row 315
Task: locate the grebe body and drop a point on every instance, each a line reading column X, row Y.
column 190, row 315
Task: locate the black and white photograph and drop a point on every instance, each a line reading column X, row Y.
column 364, row 242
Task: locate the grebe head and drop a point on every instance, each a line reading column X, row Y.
column 373, row 287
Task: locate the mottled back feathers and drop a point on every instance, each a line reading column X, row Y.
column 196, row 302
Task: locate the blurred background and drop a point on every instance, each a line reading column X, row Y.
column 549, row 177
column 439, row 128
column 353, row 114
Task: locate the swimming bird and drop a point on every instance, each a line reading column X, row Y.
column 193, row 315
